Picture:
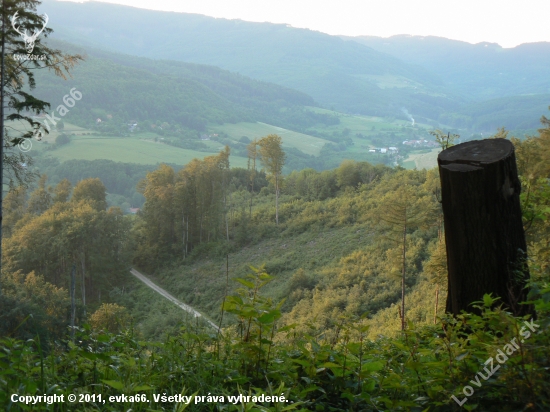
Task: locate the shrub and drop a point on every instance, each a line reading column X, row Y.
column 110, row 317
column 62, row 139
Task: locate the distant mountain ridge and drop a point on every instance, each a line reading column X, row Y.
column 437, row 80
column 483, row 70
column 333, row 71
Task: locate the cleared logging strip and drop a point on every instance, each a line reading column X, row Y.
column 171, row 298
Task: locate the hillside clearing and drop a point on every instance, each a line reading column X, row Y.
column 308, row 144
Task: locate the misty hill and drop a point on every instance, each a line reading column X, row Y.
column 189, row 95
column 521, row 113
column 482, row 71
column 437, row 80
column 336, row 73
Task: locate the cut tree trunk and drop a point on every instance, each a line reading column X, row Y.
column 486, row 248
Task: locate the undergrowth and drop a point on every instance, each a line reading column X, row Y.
column 421, row 370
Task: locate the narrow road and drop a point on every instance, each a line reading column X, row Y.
column 171, row 298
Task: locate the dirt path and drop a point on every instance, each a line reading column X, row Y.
column 171, row 298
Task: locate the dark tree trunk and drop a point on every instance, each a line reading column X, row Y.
column 486, row 248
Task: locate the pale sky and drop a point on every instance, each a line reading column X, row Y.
column 506, row 22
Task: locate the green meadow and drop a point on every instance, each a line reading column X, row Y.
column 369, row 125
column 308, row 144
column 129, row 150
column 141, row 149
column 387, row 81
column 147, row 147
column 353, row 125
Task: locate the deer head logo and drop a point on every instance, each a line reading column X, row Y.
column 29, row 40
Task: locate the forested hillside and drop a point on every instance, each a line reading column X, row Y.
column 48, row 234
column 316, row 313
column 120, row 179
column 332, row 251
column 122, row 89
column 508, row 86
column 483, row 70
column 334, row 72
column 512, row 112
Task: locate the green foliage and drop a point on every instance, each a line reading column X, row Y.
column 19, row 82
column 444, row 141
column 420, row 370
column 273, row 158
column 533, row 158
column 62, row 139
column 333, row 344
column 183, row 210
column 110, row 317
column 30, row 306
column 48, row 239
column 119, row 178
column 512, row 112
column 91, row 191
column 40, row 199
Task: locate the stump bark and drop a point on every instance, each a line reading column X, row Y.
column 486, row 248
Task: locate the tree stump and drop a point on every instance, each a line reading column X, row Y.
column 486, row 248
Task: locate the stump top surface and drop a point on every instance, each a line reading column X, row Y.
column 476, row 152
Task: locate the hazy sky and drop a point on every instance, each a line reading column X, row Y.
column 507, row 22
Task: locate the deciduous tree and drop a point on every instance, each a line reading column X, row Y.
column 252, row 150
column 445, row 141
column 273, row 158
column 91, row 190
column 40, row 199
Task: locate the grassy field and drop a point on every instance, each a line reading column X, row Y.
column 131, row 150
column 422, row 160
column 308, row 144
column 356, row 124
column 386, row 81
column 142, row 149
column 90, row 145
column 369, row 124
